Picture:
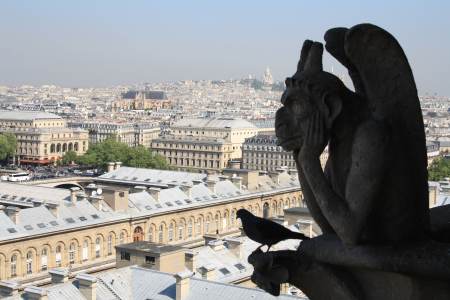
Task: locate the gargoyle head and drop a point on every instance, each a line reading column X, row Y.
column 309, row 90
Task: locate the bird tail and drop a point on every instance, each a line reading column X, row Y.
column 298, row 236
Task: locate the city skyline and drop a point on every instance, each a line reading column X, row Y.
column 84, row 44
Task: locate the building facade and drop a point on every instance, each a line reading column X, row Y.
column 204, row 143
column 44, row 228
column 42, row 138
column 141, row 100
column 131, row 134
column 262, row 153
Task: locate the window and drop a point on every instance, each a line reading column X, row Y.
column 85, row 250
column 124, row 255
column 161, row 233
column 199, row 227
column 150, row 260
column 150, row 234
column 72, row 249
column 122, row 238
column 180, row 232
column 14, row 265
column 29, row 262
column 207, row 225
column 189, row 229
column 171, row 232
column 58, row 256
column 110, row 244
column 97, row 247
column 44, row 259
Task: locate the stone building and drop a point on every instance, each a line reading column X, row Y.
column 204, row 143
column 131, row 134
column 141, row 100
column 42, row 138
column 262, row 153
column 44, row 228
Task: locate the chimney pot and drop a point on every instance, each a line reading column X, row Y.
column 87, row 285
column 13, row 213
column 110, row 167
column 154, row 192
column 59, row 275
column 9, row 288
column 182, row 284
column 35, row 293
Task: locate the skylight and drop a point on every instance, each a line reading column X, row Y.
column 12, row 230
column 70, row 220
column 224, row 271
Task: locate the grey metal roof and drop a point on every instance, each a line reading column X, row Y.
column 26, row 115
column 215, row 123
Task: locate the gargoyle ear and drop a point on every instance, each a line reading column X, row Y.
column 332, row 107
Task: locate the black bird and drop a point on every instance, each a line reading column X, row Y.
column 264, row 231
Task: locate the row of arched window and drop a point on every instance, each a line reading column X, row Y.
column 40, row 260
column 58, row 148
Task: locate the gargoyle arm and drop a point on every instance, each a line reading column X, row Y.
column 347, row 216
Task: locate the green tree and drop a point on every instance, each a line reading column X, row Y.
column 69, row 157
column 110, row 150
column 8, row 144
column 439, row 169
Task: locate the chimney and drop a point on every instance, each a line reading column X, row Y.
column 53, row 208
column 275, row 176
column 87, row 285
column 95, row 201
column 211, row 184
column 223, row 178
column 154, row 192
column 35, row 293
column 182, row 284
column 73, row 194
column 117, row 165
column 187, row 189
column 59, row 275
column 234, row 245
column 190, row 260
column 237, row 181
column 208, row 272
column 9, row 288
column 91, row 187
column 81, row 196
column 110, row 167
column 13, row 213
column 216, row 245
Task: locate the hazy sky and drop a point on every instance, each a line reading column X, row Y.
column 102, row 43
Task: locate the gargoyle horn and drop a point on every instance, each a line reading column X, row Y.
column 314, row 61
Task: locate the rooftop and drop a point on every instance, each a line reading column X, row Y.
column 215, row 123
column 144, row 246
column 26, row 115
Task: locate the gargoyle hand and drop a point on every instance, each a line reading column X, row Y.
column 315, row 139
column 269, row 272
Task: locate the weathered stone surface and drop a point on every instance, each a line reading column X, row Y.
column 371, row 201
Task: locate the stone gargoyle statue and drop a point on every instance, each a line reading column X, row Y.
column 380, row 240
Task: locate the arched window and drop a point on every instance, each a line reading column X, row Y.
column 85, row 250
column 208, row 220
column 198, row 230
column 189, row 229
column 110, row 244
column 217, row 221
column 58, row 256
column 72, row 249
column 180, row 231
column 171, row 232
column 14, row 265
column 29, row 262
column 233, row 218
column 122, row 238
column 266, row 210
column 161, row 234
column 44, row 259
column 138, row 234
column 98, row 247
column 150, row 234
